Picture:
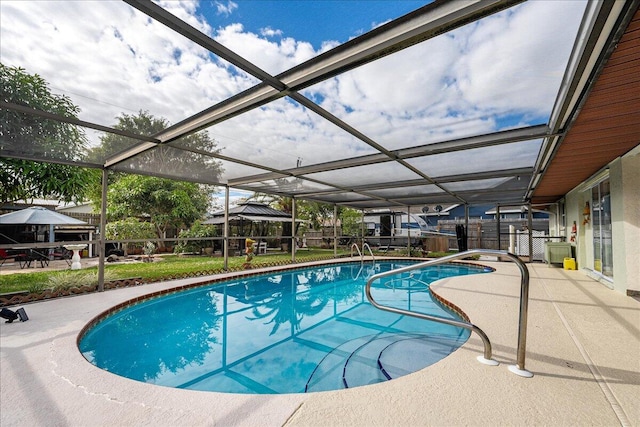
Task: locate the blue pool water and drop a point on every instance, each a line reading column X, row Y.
column 296, row 331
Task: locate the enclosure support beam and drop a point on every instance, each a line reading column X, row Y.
column 103, row 225
column 335, row 230
column 498, row 225
column 362, row 228
column 530, row 227
column 408, row 230
column 466, row 223
column 225, row 233
column 293, row 229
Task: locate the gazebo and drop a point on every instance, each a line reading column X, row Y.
column 252, row 219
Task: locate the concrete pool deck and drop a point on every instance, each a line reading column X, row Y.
column 583, row 347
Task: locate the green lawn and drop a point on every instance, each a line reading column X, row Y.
column 170, row 266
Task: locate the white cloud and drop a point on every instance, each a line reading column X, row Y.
column 187, row 11
column 456, row 85
column 507, row 65
column 125, row 64
column 510, row 60
column 273, row 57
column 270, row 32
column 235, row 196
column 282, row 133
column 226, row 9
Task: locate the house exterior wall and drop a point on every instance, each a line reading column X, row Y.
column 624, row 178
column 85, row 208
column 629, row 225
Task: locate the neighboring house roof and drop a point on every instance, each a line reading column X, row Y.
column 57, row 205
column 22, row 204
column 86, row 208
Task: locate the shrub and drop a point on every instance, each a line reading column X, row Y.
column 65, row 280
column 149, row 249
column 130, row 229
column 69, row 279
column 197, row 230
column 36, row 287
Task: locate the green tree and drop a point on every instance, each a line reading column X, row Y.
column 351, row 221
column 318, row 214
column 130, row 229
column 196, row 230
column 163, row 201
column 142, row 123
column 38, row 137
column 193, row 160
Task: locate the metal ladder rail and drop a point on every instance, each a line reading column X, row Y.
column 355, row 245
column 361, row 253
column 519, row 368
column 366, row 245
column 361, row 257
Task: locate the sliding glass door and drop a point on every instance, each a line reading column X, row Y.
column 601, row 220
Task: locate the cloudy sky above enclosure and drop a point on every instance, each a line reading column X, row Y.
column 111, row 59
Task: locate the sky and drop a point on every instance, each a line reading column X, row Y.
column 499, row 73
column 315, row 22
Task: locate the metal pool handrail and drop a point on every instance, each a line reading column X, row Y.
column 365, row 245
column 355, row 245
column 517, row 369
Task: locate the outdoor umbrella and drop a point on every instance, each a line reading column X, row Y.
column 37, row 215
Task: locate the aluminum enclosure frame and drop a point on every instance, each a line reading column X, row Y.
column 420, row 25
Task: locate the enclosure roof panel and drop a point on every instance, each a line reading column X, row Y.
column 447, row 103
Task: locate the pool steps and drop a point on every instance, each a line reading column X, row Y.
column 374, row 358
column 486, row 358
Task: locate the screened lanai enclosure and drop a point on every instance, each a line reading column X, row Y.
column 453, row 102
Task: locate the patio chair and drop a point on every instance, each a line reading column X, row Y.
column 22, row 257
column 28, row 256
column 39, row 255
column 62, row 253
column 4, row 256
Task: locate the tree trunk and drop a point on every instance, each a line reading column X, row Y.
column 160, row 232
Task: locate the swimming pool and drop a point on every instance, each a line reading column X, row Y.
column 295, row 331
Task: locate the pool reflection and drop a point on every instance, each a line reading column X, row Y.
column 257, row 335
